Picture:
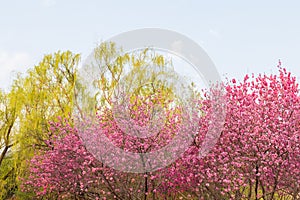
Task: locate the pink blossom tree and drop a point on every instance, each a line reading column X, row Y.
column 258, row 153
column 69, row 171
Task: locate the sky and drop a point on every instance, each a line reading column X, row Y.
column 239, row 36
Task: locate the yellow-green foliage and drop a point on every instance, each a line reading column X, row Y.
column 39, row 97
column 130, row 68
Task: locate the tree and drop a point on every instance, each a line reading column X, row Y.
column 258, row 154
column 42, row 95
column 69, row 171
column 8, row 118
column 109, row 67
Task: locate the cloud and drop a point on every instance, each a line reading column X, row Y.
column 11, row 63
column 215, row 33
column 48, row 3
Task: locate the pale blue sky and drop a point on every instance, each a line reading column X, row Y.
column 239, row 36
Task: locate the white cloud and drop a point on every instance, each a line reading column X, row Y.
column 215, row 33
column 48, row 3
column 11, row 63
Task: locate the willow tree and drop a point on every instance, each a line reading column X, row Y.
column 37, row 98
column 109, row 71
column 9, row 109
